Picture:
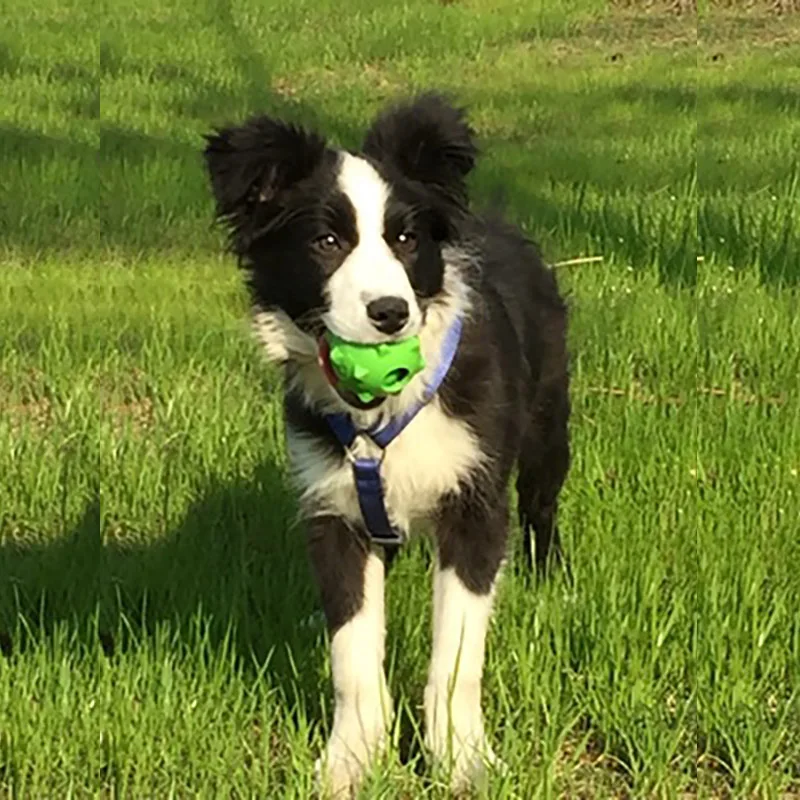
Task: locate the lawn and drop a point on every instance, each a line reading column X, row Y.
column 159, row 633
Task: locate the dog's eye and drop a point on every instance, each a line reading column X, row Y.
column 327, row 243
column 407, row 240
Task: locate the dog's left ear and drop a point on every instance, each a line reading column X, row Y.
column 427, row 140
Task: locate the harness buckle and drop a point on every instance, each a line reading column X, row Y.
column 353, row 457
column 395, row 540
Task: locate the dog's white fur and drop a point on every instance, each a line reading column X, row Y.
column 416, row 472
column 371, row 271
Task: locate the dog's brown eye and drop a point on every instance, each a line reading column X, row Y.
column 407, row 240
column 327, row 243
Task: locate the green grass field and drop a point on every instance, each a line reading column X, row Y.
column 158, row 626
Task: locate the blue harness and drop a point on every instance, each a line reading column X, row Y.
column 367, row 471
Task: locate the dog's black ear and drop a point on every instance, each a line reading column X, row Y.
column 428, row 140
column 252, row 164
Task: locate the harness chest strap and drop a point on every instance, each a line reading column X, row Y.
column 367, row 471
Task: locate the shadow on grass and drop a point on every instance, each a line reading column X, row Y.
column 758, row 100
column 238, row 557
column 143, row 193
column 152, row 195
column 639, row 238
column 140, row 193
column 136, row 192
column 232, row 572
column 31, row 148
column 232, row 576
column 44, row 586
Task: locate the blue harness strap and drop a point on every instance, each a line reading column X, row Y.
column 367, row 471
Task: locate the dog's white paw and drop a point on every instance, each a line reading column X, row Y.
column 338, row 773
column 340, row 769
column 455, row 737
column 467, row 765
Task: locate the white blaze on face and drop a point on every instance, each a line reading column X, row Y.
column 371, row 271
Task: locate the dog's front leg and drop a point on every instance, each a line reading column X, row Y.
column 350, row 579
column 471, row 547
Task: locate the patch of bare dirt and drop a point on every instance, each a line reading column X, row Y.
column 587, row 771
column 285, row 87
column 757, row 30
column 771, row 23
column 631, row 25
column 138, row 413
column 35, row 412
column 688, row 7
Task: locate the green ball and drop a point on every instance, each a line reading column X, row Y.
column 374, row 370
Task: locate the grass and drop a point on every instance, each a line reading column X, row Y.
column 157, row 619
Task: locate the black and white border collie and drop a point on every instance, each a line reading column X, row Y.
column 323, row 234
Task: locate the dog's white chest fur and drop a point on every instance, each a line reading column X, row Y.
column 428, row 460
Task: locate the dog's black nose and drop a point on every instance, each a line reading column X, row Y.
column 388, row 314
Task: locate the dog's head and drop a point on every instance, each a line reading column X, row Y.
column 351, row 242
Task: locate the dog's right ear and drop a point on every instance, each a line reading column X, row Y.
column 251, row 165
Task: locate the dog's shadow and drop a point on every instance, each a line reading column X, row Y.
column 230, row 575
column 233, row 573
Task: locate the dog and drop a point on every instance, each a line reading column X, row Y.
column 378, row 245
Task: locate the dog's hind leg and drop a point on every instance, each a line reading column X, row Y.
column 543, row 465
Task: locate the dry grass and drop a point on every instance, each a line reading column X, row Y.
column 678, row 7
column 778, row 7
